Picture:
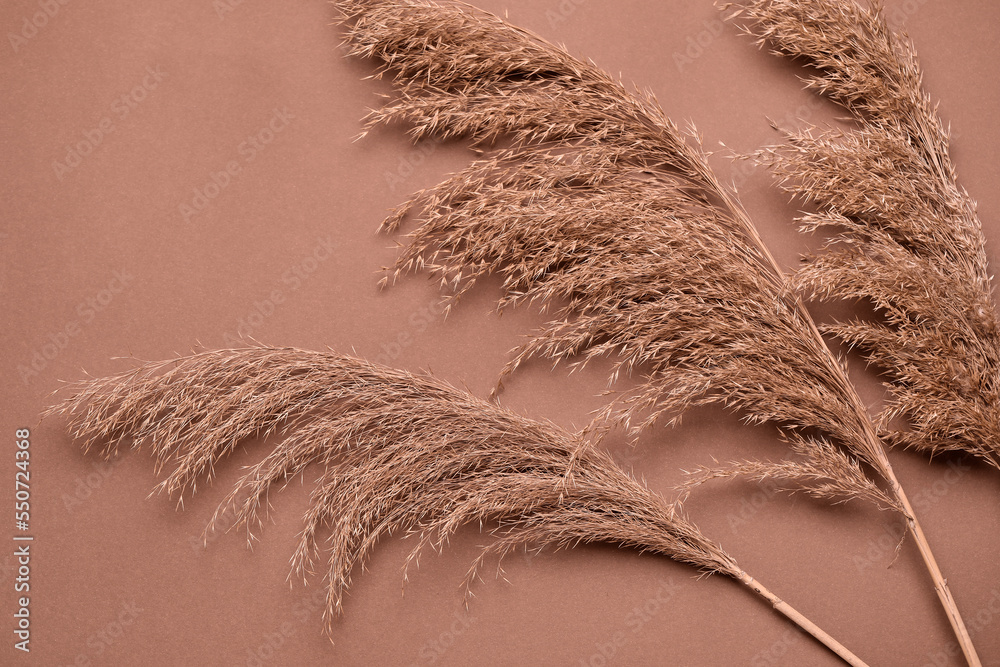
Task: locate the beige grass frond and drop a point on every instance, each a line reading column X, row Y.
column 819, row 472
column 903, row 234
column 602, row 203
column 394, row 453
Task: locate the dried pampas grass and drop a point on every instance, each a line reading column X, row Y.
column 396, row 452
column 602, row 203
column 906, row 236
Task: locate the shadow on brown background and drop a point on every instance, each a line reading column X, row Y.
column 99, row 258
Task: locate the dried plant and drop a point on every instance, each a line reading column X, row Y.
column 397, row 453
column 605, row 204
column 906, row 237
column 600, row 203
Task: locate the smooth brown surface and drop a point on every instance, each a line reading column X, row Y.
column 286, row 253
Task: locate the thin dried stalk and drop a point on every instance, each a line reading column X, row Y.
column 604, row 204
column 397, row 453
column 906, row 236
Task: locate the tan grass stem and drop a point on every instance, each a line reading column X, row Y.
column 792, row 614
column 940, row 583
column 947, row 600
column 885, row 469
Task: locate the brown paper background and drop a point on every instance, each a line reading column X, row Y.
column 101, row 544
